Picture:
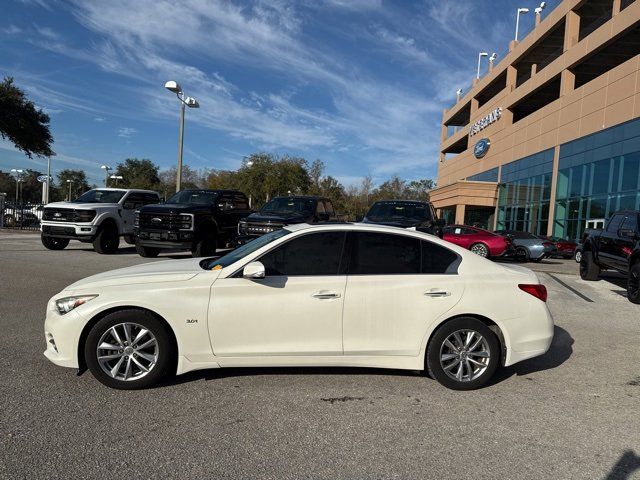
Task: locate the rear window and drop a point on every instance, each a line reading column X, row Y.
column 409, row 210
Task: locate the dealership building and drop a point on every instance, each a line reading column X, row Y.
column 549, row 140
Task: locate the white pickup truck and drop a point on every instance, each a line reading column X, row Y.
column 100, row 216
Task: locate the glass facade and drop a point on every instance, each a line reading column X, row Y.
column 488, row 176
column 525, row 192
column 597, row 175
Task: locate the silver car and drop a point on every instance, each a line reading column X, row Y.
column 528, row 247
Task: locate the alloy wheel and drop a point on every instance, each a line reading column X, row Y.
column 127, row 351
column 480, row 249
column 465, row 355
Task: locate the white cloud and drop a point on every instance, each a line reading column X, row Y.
column 126, row 132
column 98, row 119
column 12, row 30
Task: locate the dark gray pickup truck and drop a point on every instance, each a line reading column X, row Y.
column 616, row 247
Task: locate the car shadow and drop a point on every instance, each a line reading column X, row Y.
column 559, row 352
column 628, row 463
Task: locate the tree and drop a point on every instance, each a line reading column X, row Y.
column 24, row 125
column 79, row 184
column 419, row 189
column 137, row 173
column 190, row 179
column 315, row 175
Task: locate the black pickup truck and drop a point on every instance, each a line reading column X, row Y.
column 616, row 247
column 405, row 214
column 197, row 220
column 281, row 211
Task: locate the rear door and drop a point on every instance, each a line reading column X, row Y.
column 623, row 246
column 397, row 286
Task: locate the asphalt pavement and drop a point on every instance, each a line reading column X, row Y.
column 573, row 413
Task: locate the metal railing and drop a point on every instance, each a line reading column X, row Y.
column 23, row 216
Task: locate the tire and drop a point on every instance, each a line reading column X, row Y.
column 446, row 370
column 53, row 243
column 9, row 221
column 522, row 254
column 107, row 240
column 147, row 252
column 633, row 283
column 204, row 247
column 158, row 357
column 578, row 256
column 589, row 269
column 480, row 249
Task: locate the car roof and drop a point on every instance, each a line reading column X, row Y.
column 305, row 197
column 401, row 201
column 111, row 189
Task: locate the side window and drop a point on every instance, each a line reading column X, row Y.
column 225, row 202
column 135, row 200
column 631, row 223
column 384, row 254
column 240, row 202
column 437, row 259
column 312, row 254
column 615, row 223
column 328, row 206
column 320, row 207
column 149, row 198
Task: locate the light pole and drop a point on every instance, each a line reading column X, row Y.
column 480, row 55
column 190, row 102
column 539, row 11
column 520, row 10
column 492, row 59
column 19, row 174
column 458, row 94
column 116, row 178
column 106, row 169
column 70, row 182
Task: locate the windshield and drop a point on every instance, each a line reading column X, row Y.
column 100, row 196
column 289, row 205
column 196, row 197
column 400, row 211
column 241, row 252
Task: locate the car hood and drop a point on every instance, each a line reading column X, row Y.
column 279, row 218
column 175, row 208
column 80, row 206
column 154, row 272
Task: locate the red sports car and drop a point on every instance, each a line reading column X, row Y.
column 479, row 241
column 566, row 248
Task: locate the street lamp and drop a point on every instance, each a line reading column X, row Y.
column 520, row 10
column 492, row 59
column 191, row 103
column 19, row 174
column 116, row 178
column 106, row 169
column 480, row 55
column 458, row 94
column 70, row 182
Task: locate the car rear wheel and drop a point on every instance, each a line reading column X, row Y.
column 633, row 283
column 480, row 249
column 129, row 349
column 578, row 256
column 9, row 221
column 147, row 252
column 107, row 241
column 53, row 243
column 463, row 354
column 589, row 270
column 522, row 254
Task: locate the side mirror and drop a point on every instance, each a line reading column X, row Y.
column 253, row 270
column 627, row 232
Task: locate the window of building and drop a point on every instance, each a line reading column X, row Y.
column 545, row 51
column 493, row 89
column 608, row 57
column 598, row 175
column 486, row 176
column 459, row 146
column 312, row 254
column 625, row 3
column 459, row 120
column 524, row 194
column 538, row 99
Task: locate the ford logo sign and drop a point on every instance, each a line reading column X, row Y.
column 156, row 220
column 481, row 148
column 57, row 214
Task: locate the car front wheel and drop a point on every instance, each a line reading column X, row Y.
column 589, row 269
column 463, row 354
column 107, row 241
column 129, row 349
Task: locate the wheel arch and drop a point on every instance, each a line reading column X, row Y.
column 82, row 364
column 635, row 258
column 109, row 222
column 493, row 326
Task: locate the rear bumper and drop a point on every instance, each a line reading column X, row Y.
column 530, row 336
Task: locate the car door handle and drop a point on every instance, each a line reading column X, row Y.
column 322, row 295
column 437, row 293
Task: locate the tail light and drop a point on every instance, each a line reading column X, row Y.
column 548, row 244
column 537, row 290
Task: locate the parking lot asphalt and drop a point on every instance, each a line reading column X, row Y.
column 573, row 413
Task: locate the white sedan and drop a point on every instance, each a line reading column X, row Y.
column 324, row 295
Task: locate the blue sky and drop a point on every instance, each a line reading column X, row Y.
column 359, row 84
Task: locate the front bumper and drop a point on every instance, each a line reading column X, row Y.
column 62, row 334
column 83, row 232
column 165, row 239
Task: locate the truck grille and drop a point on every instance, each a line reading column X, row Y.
column 261, row 228
column 59, row 214
column 164, row 221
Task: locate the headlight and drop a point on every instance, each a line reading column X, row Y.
column 85, row 215
column 65, row 305
column 242, row 227
column 186, row 221
column 136, row 219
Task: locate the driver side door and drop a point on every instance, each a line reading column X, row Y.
column 295, row 310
